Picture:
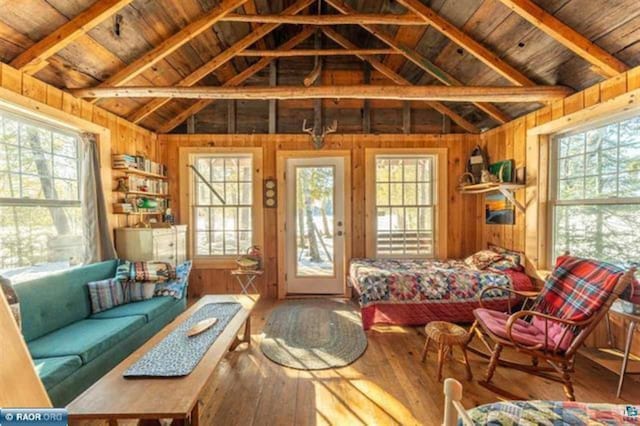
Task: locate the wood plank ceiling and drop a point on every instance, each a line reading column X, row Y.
column 487, row 42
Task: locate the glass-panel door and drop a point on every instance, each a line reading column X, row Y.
column 315, row 225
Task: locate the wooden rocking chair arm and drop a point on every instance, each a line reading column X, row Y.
column 523, row 314
column 525, row 294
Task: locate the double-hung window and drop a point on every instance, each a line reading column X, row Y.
column 225, row 209
column 403, row 209
column 595, row 192
column 40, row 205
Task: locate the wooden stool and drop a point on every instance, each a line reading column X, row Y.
column 446, row 336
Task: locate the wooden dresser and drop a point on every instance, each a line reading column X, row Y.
column 165, row 244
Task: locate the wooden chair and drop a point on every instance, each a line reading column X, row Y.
column 545, row 337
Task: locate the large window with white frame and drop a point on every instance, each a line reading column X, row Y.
column 405, row 205
column 40, row 205
column 223, row 223
column 595, row 192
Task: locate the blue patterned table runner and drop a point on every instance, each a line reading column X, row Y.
column 177, row 355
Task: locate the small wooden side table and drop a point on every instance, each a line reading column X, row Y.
column 246, row 279
column 446, row 335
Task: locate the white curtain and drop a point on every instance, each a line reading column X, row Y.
column 96, row 233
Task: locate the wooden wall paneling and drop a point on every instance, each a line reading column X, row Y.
column 462, row 227
column 531, row 147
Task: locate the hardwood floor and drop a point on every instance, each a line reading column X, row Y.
column 387, row 385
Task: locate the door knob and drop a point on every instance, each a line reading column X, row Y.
column 339, row 233
column 339, row 223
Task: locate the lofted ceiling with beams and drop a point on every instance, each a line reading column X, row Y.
column 109, row 43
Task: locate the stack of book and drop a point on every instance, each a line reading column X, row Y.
column 138, row 162
column 124, row 161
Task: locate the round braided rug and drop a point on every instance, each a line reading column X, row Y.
column 313, row 334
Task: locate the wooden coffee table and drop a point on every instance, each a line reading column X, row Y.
column 113, row 397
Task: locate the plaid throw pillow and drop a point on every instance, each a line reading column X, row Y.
column 105, row 294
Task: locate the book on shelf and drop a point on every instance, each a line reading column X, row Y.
column 137, row 162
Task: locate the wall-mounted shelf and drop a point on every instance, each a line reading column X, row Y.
column 504, row 188
column 147, row 194
column 140, row 213
column 141, row 173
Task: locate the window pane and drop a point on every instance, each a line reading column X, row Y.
column 35, row 235
column 245, row 169
column 202, row 219
column 65, row 145
column 246, row 195
column 217, row 219
column 410, row 196
column 425, row 169
column 571, row 189
column 630, row 131
column 9, row 157
column 65, row 167
column 217, row 243
column 382, row 194
column 395, row 173
column 410, row 172
column 382, row 170
column 598, row 231
column 571, row 167
column 244, row 215
column 231, row 243
column 202, row 243
column 396, row 194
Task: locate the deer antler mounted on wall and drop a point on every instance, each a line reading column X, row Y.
column 318, row 138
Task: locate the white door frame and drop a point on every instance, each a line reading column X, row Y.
column 281, row 160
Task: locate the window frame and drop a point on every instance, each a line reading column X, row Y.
column 29, row 119
column 439, row 192
column 187, row 203
column 37, row 202
column 553, row 173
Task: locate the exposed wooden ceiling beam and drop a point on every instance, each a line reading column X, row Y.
column 350, row 19
column 317, row 52
column 218, row 61
column 235, row 81
column 398, row 79
column 173, row 43
column 459, row 37
column 251, row 9
column 360, row 91
column 605, row 63
column 35, row 58
column 420, row 61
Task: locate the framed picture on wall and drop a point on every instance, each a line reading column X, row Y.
column 499, row 210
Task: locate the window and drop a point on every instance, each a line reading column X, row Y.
column 40, row 209
column 404, row 206
column 595, row 196
column 223, row 229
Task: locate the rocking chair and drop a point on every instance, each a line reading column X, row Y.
column 552, row 332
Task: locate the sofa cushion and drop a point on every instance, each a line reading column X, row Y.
column 54, row 301
column 54, row 370
column 150, row 309
column 87, row 338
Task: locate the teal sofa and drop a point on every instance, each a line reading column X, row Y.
column 70, row 347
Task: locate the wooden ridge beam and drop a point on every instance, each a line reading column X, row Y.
column 359, row 91
column 217, row 61
column 350, row 19
column 173, row 43
column 604, row 62
column 35, row 58
column 398, row 79
column 462, row 39
column 237, row 80
column 317, row 52
column 422, row 62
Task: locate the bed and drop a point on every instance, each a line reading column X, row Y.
column 415, row 292
column 546, row 413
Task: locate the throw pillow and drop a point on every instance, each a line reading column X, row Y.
column 512, row 259
column 105, row 294
column 153, row 271
column 482, row 259
column 134, row 291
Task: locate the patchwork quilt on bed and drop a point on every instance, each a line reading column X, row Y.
column 552, row 413
column 420, row 281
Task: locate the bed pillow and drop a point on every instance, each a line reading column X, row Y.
column 511, row 259
column 105, row 294
column 482, row 259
